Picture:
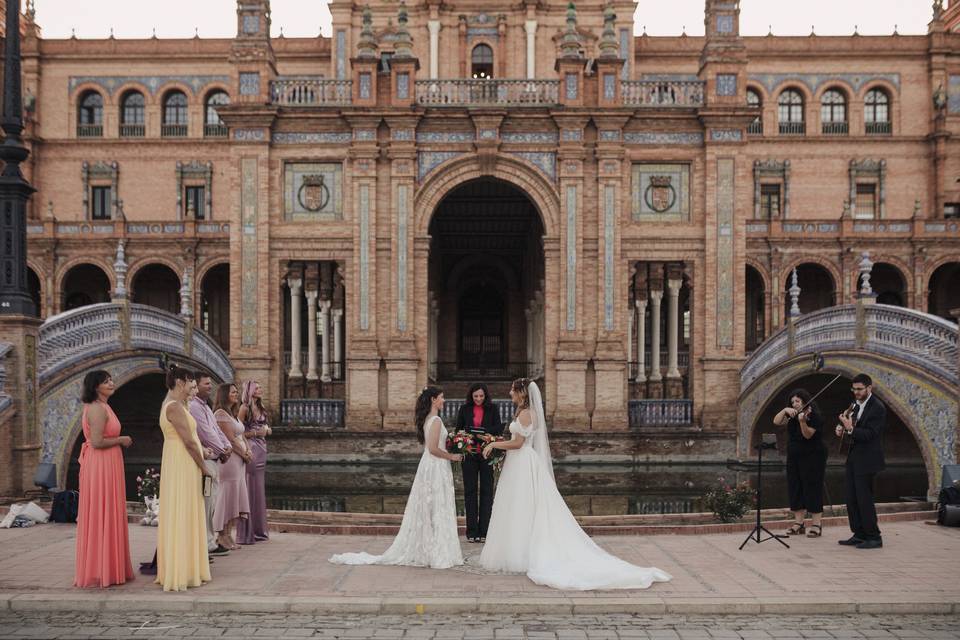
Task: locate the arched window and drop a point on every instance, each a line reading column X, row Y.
column 876, row 107
column 481, row 62
column 790, row 112
column 754, row 100
column 833, row 113
column 174, row 114
column 212, row 124
column 131, row 115
column 90, row 115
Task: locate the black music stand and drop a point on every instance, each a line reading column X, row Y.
column 768, row 441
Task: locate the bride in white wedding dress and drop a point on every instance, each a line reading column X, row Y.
column 428, row 533
column 532, row 530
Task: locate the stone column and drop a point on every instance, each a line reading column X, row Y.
column 434, row 28
column 186, row 296
column 311, row 334
column 674, row 383
column 656, row 385
column 630, row 315
column 530, row 26
column 325, row 341
column 641, row 305
column 337, row 343
column 296, row 370
column 120, row 274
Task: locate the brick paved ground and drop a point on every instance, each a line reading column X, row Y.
column 916, row 572
column 62, row 626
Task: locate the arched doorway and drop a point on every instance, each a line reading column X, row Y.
column 84, row 284
column 904, row 477
column 817, row 289
column 158, row 286
column 215, row 304
column 755, row 309
column 486, row 277
column 889, row 284
column 33, row 283
column 137, row 405
column 944, row 290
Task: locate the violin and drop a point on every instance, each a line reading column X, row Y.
column 848, row 412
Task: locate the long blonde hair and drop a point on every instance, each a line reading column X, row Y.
column 519, row 386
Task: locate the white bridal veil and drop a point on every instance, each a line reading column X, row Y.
column 541, row 442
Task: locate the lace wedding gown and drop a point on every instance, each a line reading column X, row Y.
column 532, row 530
column 428, row 534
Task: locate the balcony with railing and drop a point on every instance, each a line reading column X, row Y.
column 451, row 371
column 879, row 128
column 660, row 413
column 793, row 128
column 835, row 128
column 133, row 130
column 173, row 130
column 662, row 94
column 89, row 130
column 755, row 128
column 311, row 92
column 505, row 408
column 313, row 412
column 479, row 93
column 215, row 131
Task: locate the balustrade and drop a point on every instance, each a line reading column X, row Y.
column 311, row 92
column 516, row 93
column 505, row 408
column 661, row 94
column 312, row 412
column 660, row 413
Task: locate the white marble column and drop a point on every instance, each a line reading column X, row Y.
column 530, row 26
column 296, row 370
column 325, row 341
column 641, row 339
column 630, row 315
column 655, row 297
column 434, row 27
column 529, row 314
column 434, row 312
column 311, row 334
column 673, row 292
column 337, row 343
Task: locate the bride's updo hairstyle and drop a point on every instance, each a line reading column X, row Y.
column 520, row 387
column 424, row 404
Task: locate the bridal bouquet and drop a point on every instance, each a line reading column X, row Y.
column 497, row 456
column 460, row 442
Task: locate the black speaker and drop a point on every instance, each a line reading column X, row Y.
column 46, row 475
column 949, row 475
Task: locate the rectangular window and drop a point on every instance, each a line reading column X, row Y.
column 866, row 206
column 769, row 201
column 195, row 203
column 100, row 203
column 951, row 210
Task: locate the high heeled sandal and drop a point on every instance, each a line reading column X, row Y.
column 815, row 534
column 796, row 529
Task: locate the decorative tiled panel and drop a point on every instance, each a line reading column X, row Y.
column 249, row 84
column 251, row 24
column 610, row 135
column 427, row 161
column 571, row 243
column 402, row 134
column 953, row 99
column 726, row 84
column 402, row 223
column 643, row 137
column 609, row 86
column 482, row 32
column 546, row 161
column 403, row 86
column 152, row 83
column 364, row 217
column 572, row 135
column 445, row 136
column 249, row 283
column 487, row 134
column 312, row 191
column 726, row 135
column 366, row 87
column 365, row 134
column 571, row 83
column 725, row 266
column 249, row 135
column 532, row 137
column 341, row 54
column 661, row 192
column 325, row 137
column 813, row 81
column 757, row 227
column 725, row 24
column 625, row 53
column 609, row 246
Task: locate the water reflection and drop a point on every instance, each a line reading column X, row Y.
column 599, row 489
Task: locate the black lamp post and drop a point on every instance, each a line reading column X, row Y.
column 14, row 189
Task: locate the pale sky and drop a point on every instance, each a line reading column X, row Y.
column 217, row 18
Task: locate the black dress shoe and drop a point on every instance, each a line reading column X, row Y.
column 873, row 543
column 852, row 541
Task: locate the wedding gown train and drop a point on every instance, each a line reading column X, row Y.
column 428, row 535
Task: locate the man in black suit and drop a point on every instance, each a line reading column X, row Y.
column 863, row 429
column 479, row 417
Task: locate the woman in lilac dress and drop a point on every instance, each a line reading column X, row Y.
column 254, row 418
column 233, row 499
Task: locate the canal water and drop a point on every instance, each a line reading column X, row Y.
column 589, row 489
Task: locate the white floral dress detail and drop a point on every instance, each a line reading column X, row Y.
column 428, row 534
column 532, row 531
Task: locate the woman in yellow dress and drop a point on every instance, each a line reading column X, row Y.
column 182, row 559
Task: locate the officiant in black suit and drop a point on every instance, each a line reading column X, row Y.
column 479, row 417
column 863, row 430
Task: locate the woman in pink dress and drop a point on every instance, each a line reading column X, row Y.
column 254, row 418
column 233, row 502
column 103, row 546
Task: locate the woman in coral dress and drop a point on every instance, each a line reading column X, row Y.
column 103, row 546
column 182, row 559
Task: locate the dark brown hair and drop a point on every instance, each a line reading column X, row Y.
column 222, row 399
column 424, row 404
column 175, row 373
column 90, row 383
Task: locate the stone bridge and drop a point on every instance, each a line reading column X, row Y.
column 911, row 356
column 129, row 340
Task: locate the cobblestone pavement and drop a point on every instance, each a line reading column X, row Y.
column 62, row 626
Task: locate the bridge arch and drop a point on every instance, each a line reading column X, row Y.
column 911, row 356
